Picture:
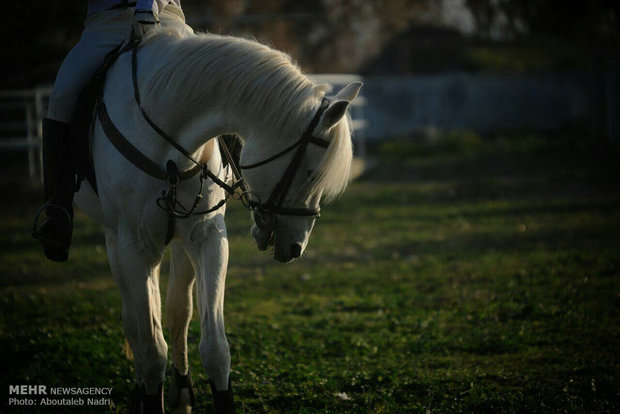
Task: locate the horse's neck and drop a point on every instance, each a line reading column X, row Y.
column 195, row 124
column 198, row 125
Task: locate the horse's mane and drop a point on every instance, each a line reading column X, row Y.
column 218, row 71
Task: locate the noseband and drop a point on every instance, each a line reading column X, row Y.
column 274, row 205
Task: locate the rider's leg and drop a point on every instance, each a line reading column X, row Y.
column 173, row 16
column 103, row 31
column 59, row 184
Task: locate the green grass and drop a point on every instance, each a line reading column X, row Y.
column 466, row 275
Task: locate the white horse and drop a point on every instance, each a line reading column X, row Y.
column 196, row 87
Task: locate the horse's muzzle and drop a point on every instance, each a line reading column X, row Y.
column 262, row 238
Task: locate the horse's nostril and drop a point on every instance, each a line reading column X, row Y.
column 295, row 250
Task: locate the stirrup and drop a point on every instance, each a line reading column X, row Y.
column 55, row 239
column 36, row 229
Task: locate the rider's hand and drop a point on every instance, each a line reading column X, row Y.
column 143, row 22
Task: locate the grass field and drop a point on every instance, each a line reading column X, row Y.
column 462, row 276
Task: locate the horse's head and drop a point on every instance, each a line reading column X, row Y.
column 287, row 181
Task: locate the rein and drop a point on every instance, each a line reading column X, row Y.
column 264, row 213
column 168, row 201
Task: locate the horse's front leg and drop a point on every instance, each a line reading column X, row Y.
column 178, row 314
column 207, row 246
column 137, row 276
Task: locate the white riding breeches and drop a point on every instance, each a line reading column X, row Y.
column 103, row 31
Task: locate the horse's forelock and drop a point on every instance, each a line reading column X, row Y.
column 332, row 175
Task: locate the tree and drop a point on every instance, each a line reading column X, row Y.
column 582, row 21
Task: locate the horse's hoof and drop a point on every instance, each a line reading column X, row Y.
column 223, row 400
column 181, row 393
column 184, row 405
column 143, row 403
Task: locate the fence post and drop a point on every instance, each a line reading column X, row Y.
column 31, row 140
column 613, row 99
column 40, row 109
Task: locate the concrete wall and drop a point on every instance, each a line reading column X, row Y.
column 483, row 103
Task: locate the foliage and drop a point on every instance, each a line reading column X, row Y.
column 36, row 37
column 481, row 277
column 367, row 36
column 430, row 142
column 583, row 21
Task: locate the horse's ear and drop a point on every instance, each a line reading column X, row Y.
column 349, row 92
column 339, row 104
column 334, row 113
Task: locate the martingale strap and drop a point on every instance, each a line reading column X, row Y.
column 168, row 202
column 132, row 154
column 145, row 115
column 169, row 139
column 141, row 161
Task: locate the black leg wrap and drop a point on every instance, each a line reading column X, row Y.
column 179, row 382
column 223, row 400
column 143, row 403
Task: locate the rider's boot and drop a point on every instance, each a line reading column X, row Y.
column 59, row 185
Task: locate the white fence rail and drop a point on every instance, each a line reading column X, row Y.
column 21, row 115
column 22, row 112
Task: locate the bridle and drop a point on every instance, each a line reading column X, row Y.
column 264, row 213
